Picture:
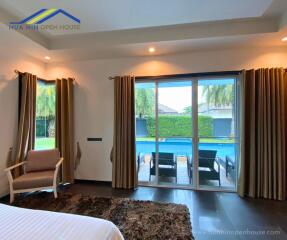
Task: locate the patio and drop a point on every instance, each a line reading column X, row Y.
column 182, row 174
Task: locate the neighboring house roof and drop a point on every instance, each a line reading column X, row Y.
column 162, row 109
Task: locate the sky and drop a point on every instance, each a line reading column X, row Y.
column 178, row 94
column 176, row 98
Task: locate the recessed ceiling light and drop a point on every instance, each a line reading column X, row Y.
column 47, row 58
column 284, row 39
column 151, row 49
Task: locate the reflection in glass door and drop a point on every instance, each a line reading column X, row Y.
column 186, row 133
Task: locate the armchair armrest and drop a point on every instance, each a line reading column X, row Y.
column 175, row 159
column 189, row 159
column 217, row 160
column 9, row 174
column 57, row 170
column 14, row 166
column 151, row 161
column 59, row 163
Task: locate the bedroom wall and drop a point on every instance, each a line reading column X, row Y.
column 11, row 57
column 94, row 92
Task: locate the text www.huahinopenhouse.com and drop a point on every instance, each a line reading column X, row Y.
column 239, row 232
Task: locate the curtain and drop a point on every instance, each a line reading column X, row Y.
column 27, row 116
column 65, row 126
column 263, row 136
column 124, row 150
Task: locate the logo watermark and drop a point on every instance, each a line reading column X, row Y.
column 36, row 21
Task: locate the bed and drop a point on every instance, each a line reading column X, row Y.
column 27, row 224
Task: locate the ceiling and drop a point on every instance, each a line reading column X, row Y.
column 109, row 15
column 112, row 28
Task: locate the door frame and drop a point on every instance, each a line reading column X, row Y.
column 194, row 118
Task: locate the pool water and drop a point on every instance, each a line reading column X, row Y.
column 184, row 147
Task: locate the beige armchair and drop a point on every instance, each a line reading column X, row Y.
column 40, row 172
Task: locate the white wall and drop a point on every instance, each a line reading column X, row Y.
column 11, row 58
column 94, row 92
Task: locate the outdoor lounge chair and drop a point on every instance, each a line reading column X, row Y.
column 230, row 168
column 167, row 165
column 140, row 160
column 206, row 166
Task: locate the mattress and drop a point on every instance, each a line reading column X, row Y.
column 26, row 224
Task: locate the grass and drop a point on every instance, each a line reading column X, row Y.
column 49, row 143
column 147, row 139
column 202, row 140
column 215, row 140
column 44, row 143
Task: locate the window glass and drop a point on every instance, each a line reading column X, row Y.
column 45, row 116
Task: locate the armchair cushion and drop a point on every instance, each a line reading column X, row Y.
column 43, row 160
column 34, row 180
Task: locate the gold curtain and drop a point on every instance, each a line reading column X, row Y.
column 263, row 136
column 27, row 116
column 65, row 126
column 124, row 150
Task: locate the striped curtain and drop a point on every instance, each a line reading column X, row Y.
column 264, row 134
column 65, row 126
column 124, row 149
column 27, row 117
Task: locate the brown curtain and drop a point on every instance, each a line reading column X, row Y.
column 263, row 146
column 65, row 126
column 27, row 116
column 124, row 150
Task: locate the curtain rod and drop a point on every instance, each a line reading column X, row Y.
column 17, row 71
column 41, row 79
column 187, row 75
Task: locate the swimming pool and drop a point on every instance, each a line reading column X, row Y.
column 184, row 147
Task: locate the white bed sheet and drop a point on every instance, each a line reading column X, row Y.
column 25, row 224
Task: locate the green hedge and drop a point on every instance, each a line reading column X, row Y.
column 179, row 126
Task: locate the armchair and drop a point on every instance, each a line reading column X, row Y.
column 206, row 166
column 40, row 172
column 167, row 165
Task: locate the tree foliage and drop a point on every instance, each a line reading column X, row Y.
column 45, row 102
column 219, row 95
column 145, row 102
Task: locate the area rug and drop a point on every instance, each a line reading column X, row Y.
column 135, row 219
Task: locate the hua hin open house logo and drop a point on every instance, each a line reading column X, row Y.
column 39, row 21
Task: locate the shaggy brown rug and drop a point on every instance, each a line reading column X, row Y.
column 135, row 219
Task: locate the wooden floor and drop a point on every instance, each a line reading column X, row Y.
column 214, row 215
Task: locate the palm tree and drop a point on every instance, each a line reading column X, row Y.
column 219, row 95
column 145, row 102
column 46, row 101
column 46, row 107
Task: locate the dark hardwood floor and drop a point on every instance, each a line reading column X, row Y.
column 214, row 215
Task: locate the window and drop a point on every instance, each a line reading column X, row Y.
column 45, row 115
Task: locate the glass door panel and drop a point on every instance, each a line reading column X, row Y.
column 145, row 97
column 217, row 146
column 174, row 115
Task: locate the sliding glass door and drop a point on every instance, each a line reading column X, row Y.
column 186, row 133
column 174, row 117
column 145, row 104
column 217, row 133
